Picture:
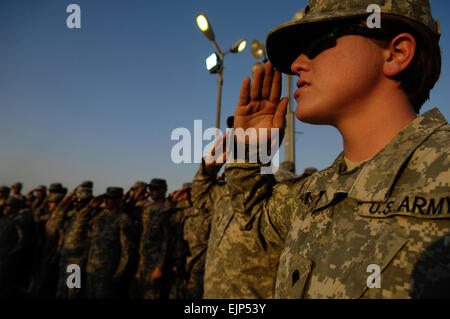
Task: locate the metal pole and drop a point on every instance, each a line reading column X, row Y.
column 289, row 138
column 219, row 96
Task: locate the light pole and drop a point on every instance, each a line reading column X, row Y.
column 214, row 62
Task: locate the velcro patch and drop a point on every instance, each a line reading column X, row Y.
column 425, row 206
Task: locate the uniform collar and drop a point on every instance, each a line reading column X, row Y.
column 374, row 179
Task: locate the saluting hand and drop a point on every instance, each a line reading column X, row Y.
column 259, row 106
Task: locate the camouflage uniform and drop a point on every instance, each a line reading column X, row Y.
column 152, row 249
column 238, row 264
column 196, row 227
column 109, row 250
column 392, row 211
column 13, row 232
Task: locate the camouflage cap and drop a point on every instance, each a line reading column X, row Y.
column 140, row 185
column 87, row 184
column 13, row 201
column 290, row 166
column 83, row 193
column 113, row 192
column 55, row 198
column 17, row 184
column 40, row 188
column 284, row 42
column 4, row 189
column 157, row 183
column 187, row 185
column 55, row 188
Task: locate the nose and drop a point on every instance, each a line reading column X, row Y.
column 302, row 63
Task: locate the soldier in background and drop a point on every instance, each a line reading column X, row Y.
column 74, row 243
column 45, row 277
column 153, row 245
column 16, row 189
column 40, row 192
column 14, row 243
column 192, row 240
column 134, row 203
column 237, row 264
column 110, row 248
column 4, row 194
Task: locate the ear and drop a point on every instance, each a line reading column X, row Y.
column 399, row 54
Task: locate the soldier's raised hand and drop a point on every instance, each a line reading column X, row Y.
column 259, row 104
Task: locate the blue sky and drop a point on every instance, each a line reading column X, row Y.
column 100, row 103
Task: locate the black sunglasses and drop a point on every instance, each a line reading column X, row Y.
column 324, row 41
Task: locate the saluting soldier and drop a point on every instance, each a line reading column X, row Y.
column 376, row 223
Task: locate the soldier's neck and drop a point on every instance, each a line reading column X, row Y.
column 371, row 126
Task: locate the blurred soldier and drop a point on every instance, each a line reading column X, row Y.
column 192, row 241
column 29, row 199
column 40, row 192
column 4, row 194
column 237, row 264
column 134, row 203
column 11, row 239
column 74, row 243
column 109, row 248
column 376, row 223
column 153, row 245
column 17, row 191
column 46, row 260
column 55, row 188
column 87, row 184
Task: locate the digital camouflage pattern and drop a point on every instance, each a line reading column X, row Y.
column 12, row 242
column 196, row 229
column 152, row 248
column 73, row 249
column 238, row 264
column 392, row 211
column 109, row 249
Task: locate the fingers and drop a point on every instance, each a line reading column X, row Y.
column 245, row 92
column 280, row 114
column 275, row 92
column 255, row 92
column 267, row 84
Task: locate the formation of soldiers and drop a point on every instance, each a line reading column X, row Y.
column 140, row 244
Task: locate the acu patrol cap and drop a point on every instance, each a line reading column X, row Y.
column 87, row 184
column 56, row 188
column 157, row 183
column 290, row 166
column 83, row 193
column 285, row 42
column 41, row 188
column 187, row 185
column 4, row 189
column 113, row 192
column 17, row 184
column 140, row 185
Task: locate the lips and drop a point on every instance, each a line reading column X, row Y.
column 301, row 84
